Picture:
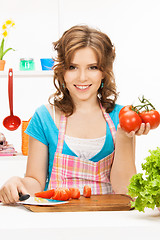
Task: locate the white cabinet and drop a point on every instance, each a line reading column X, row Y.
column 12, row 166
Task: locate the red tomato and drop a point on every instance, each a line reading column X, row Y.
column 125, row 109
column 75, row 193
column 57, row 194
column 68, row 192
column 62, row 194
column 45, row 194
column 87, row 191
column 152, row 117
column 129, row 120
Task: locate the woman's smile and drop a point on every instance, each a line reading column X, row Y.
column 83, row 87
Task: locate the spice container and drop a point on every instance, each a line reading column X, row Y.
column 27, row 64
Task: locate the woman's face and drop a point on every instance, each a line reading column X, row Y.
column 83, row 78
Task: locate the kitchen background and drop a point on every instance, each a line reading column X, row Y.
column 133, row 26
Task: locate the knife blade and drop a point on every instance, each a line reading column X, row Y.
column 29, row 200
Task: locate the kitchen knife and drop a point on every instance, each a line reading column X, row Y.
column 28, row 200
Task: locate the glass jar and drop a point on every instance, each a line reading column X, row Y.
column 26, row 64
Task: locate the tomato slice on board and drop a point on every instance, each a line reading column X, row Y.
column 87, row 191
column 62, row 194
column 57, row 195
column 45, row 194
column 68, row 192
column 75, row 193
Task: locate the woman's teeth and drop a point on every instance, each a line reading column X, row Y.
column 82, row 87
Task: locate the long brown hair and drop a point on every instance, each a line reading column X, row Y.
column 75, row 38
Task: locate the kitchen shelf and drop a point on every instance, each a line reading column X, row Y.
column 4, row 74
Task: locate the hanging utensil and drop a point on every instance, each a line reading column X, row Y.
column 11, row 122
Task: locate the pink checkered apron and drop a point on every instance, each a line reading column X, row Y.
column 69, row 171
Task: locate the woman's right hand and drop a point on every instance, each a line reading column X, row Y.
column 9, row 192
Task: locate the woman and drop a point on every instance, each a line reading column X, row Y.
column 77, row 140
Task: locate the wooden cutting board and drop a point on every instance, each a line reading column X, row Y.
column 108, row 202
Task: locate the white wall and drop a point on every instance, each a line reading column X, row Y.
column 36, row 27
column 133, row 27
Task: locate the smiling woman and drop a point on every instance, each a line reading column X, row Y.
column 77, row 140
column 100, row 53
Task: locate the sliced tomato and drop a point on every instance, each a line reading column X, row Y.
column 46, row 194
column 68, row 192
column 87, row 191
column 62, row 194
column 75, row 193
column 57, row 195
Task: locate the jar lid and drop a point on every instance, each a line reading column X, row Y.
column 26, row 59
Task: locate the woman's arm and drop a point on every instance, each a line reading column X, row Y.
column 123, row 167
column 37, row 165
column 35, row 177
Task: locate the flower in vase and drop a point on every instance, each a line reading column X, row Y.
column 5, row 30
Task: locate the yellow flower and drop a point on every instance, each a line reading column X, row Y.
column 8, row 22
column 5, row 30
column 5, row 33
column 4, row 26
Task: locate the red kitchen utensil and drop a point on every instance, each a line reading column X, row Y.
column 11, row 122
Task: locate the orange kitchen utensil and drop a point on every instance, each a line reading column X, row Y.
column 11, row 122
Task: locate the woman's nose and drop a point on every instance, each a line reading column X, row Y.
column 82, row 75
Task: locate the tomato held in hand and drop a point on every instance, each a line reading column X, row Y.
column 129, row 120
column 75, row 193
column 45, row 194
column 152, row 117
column 131, row 117
column 87, row 191
column 125, row 109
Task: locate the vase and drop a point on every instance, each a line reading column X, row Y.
column 2, row 65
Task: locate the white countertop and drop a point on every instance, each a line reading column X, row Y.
column 16, row 222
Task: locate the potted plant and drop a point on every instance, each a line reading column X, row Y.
column 5, row 30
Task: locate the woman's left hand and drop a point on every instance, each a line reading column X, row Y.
column 143, row 130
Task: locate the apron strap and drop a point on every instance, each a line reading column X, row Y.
column 61, row 135
column 110, row 123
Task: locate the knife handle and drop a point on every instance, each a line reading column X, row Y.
column 23, row 197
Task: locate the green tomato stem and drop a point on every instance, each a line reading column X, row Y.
column 145, row 103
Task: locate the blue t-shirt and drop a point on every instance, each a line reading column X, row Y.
column 42, row 127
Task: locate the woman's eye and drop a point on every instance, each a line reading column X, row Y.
column 72, row 67
column 93, row 67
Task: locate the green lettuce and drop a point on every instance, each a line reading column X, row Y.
column 145, row 188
